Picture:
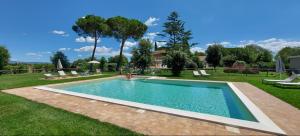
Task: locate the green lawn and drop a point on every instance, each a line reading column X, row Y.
column 290, row 95
column 22, row 80
column 19, row 116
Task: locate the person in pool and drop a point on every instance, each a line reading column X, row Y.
column 128, row 76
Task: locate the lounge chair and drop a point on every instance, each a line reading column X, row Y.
column 289, row 79
column 86, row 73
column 62, row 73
column 289, row 83
column 74, row 73
column 203, row 73
column 196, row 73
column 98, row 71
column 49, row 76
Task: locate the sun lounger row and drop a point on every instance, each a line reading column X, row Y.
column 63, row 74
column 60, row 73
column 200, row 73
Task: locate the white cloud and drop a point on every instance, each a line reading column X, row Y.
column 64, row 49
column 80, row 39
column 87, row 39
column 198, row 49
column 129, row 45
column 34, row 54
column 38, row 54
column 61, row 33
column 151, row 21
column 46, row 52
column 160, row 44
column 226, row 44
column 209, row 44
column 272, row 44
column 117, row 52
column 58, row 32
column 101, row 51
column 151, row 35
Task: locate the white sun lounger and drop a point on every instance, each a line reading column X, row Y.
column 196, row 73
column 86, row 73
column 289, row 79
column 62, row 73
column 203, row 72
column 74, row 73
column 288, row 83
column 48, row 76
column 98, row 71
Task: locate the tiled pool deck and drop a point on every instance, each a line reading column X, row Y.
column 156, row 123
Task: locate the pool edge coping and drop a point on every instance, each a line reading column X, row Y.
column 264, row 122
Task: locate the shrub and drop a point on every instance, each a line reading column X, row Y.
column 111, row 67
column 264, row 66
column 175, row 60
column 244, row 71
column 230, row 70
column 197, row 61
column 191, row 64
column 229, row 60
column 240, row 65
column 250, row 71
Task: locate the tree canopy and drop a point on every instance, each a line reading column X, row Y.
column 115, row 59
column 92, row 26
column 178, row 37
column 251, row 54
column 102, row 64
column 4, row 57
column 214, row 54
column 141, row 56
column 175, row 60
column 63, row 59
column 123, row 29
column 286, row 52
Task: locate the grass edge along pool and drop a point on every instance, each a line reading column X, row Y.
column 261, row 122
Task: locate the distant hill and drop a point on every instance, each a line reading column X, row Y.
column 15, row 62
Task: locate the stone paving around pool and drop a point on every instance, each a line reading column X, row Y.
column 156, row 123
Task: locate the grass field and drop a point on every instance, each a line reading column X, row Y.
column 22, row 80
column 19, row 116
column 289, row 95
column 24, row 117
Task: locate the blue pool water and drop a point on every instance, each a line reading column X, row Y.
column 203, row 97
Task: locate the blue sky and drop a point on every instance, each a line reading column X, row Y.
column 33, row 29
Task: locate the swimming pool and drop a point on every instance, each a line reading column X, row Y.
column 213, row 101
column 211, row 98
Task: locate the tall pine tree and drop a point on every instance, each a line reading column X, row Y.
column 175, row 31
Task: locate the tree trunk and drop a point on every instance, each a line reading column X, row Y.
column 120, row 56
column 93, row 55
